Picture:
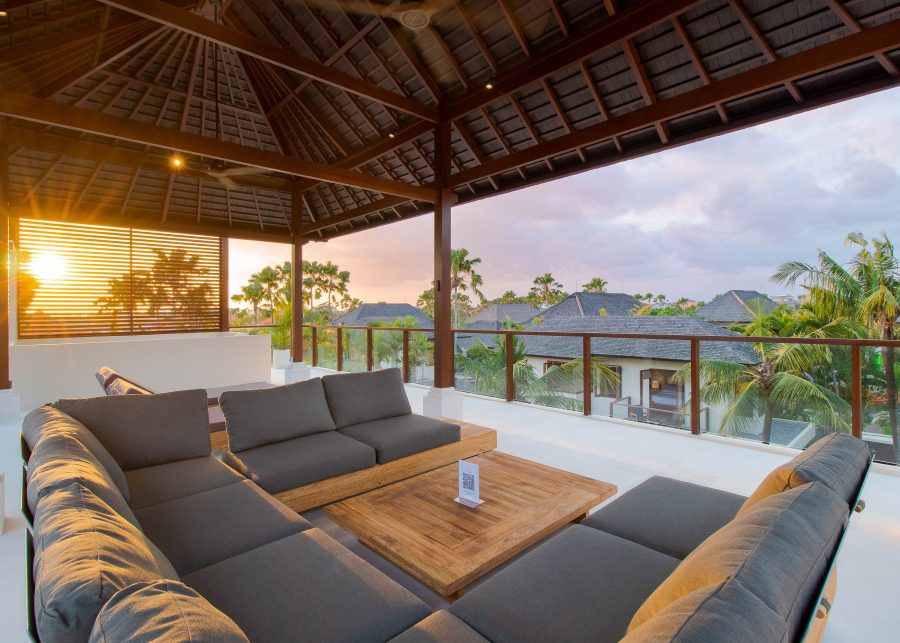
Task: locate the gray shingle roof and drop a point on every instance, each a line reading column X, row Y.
column 675, row 350
column 500, row 312
column 367, row 313
column 589, row 304
column 737, row 306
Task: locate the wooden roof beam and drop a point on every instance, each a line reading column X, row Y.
column 880, row 39
column 350, row 215
column 643, row 83
column 626, row 24
column 49, row 113
column 170, row 16
column 694, row 55
column 853, row 24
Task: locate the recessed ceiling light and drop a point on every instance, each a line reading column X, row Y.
column 176, row 162
column 391, row 135
column 489, row 86
column 3, row 14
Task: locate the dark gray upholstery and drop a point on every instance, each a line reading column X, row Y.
column 58, row 460
column 403, row 435
column 256, row 418
column 838, row 460
column 45, row 420
column 362, row 397
column 440, row 627
column 204, row 528
column 213, row 393
column 84, row 553
column 778, row 550
column 581, row 585
column 144, row 430
column 667, row 515
column 166, row 610
column 164, row 482
column 294, row 463
column 308, row 587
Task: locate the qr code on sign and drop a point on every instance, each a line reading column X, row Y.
column 468, row 482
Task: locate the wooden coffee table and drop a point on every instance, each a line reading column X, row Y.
column 417, row 525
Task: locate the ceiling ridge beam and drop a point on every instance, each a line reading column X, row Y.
column 625, row 24
column 852, row 48
column 33, row 109
column 170, row 16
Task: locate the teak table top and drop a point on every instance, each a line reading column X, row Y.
column 417, row 525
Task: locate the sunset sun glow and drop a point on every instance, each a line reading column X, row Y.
column 47, row 267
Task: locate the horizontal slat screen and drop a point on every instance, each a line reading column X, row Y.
column 86, row 280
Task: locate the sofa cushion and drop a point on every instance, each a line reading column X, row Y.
column 440, row 627
column 403, row 435
column 725, row 611
column 143, row 430
column 838, row 461
column 213, row 393
column 778, row 550
column 45, row 420
column 590, row 582
column 265, row 416
column 199, row 530
column 308, row 587
column 164, row 482
column 165, row 610
column 301, row 461
column 667, row 515
column 58, row 460
column 362, row 397
column 84, row 553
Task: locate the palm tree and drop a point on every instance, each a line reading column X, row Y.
column 546, row 289
column 597, row 284
column 334, row 281
column 463, row 278
column 270, row 280
column 867, row 291
column 252, row 294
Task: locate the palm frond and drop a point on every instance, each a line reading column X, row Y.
column 797, row 395
column 743, row 412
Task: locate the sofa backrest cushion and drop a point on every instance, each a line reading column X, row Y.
column 363, row 397
column 84, row 553
column 778, row 550
column 144, row 430
column 838, row 461
column 46, row 420
column 164, row 610
column 263, row 416
column 58, row 460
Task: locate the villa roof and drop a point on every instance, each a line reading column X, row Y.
column 498, row 313
column 367, row 313
column 334, row 110
column 589, row 304
column 737, row 306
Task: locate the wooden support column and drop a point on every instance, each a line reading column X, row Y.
column 443, row 332
column 224, row 300
column 297, row 352
column 5, row 200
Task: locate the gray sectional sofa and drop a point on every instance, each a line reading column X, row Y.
column 140, row 534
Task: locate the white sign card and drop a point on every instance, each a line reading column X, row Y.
column 468, row 484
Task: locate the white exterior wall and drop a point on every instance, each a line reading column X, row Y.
column 46, row 370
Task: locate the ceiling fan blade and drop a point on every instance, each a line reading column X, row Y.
column 238, row 171
column 227, row 183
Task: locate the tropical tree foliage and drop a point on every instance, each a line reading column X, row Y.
column 597, row 284
column 546, row 290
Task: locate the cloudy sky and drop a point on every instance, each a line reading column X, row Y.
column 693, row 221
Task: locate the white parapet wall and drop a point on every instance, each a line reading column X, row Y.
column 46, row 370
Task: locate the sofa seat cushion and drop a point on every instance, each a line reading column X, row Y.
column 403, row 435
column 164, row 482
column 355, row 398
column 838, row 461
column 580, row 585
column 84, row 553
column 307, row 587
column 778, row 550
column 165, row 610
column 58, row 460
column 440, row 627
column 144, row 430
column 46, row 420
column 667, row 515
column 301, row 461
column 201, row 529
column 266, row 416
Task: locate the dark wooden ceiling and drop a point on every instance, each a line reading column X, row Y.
column 336, row 109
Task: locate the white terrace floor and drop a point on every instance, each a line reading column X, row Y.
column 622, row 453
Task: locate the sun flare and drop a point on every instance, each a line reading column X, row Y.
column 47, row 267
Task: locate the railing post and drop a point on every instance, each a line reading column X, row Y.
column 695, row 386
column 315, row 346
column 856, row 390
column 587, row 382
column 406, row 356
column 510, row 368
column 339, row 365
column 368, row 349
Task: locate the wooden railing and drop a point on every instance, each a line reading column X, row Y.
column 855, row 346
